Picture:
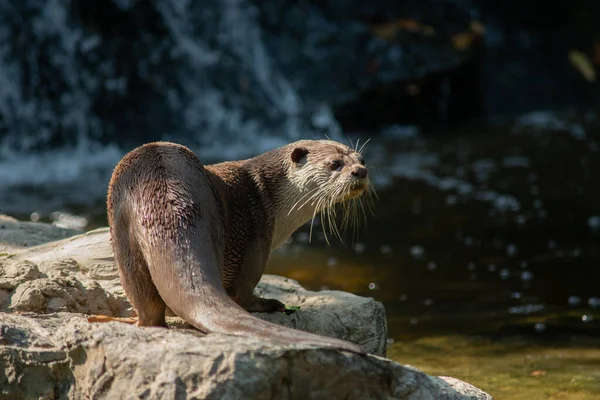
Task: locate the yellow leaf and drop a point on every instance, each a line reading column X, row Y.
column 583, row 64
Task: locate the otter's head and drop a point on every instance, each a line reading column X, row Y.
column 326, row 173
column 329, row 167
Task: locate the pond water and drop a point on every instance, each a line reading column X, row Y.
column 483, row 247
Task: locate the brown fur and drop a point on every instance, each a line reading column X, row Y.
column 197, row 238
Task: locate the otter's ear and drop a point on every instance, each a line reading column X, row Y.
column 299, row 153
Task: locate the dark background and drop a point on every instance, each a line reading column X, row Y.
column 127, row 71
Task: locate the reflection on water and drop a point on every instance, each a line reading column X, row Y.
column 484, row 250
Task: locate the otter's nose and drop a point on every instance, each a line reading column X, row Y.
column 360, row 172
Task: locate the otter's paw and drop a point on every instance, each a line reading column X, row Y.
column 266, row 305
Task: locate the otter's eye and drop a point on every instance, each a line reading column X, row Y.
column 335, row 165
column 361, row 160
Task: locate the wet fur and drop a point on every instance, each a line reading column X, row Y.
column 197, row 238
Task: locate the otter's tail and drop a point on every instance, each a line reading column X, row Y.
column 223, row 315
column 191, row 287
column 188, row 280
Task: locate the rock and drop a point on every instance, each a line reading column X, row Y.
column 25, row 288
column 87, row 256
column 16, row 235
column 470, row 391
column 62, row 355
column 87, row 259
column 49, row 349
column 62, row 294
column 328, row 312
column 15, row 273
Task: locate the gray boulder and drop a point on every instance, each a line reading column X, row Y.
column 50, row 349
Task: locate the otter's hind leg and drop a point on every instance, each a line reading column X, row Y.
column 138, row 285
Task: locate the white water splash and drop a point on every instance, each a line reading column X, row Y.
column 63, row 165
column 549, row 121
column 419, row 164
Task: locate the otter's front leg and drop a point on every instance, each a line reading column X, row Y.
column 260, row 304
column 240, row 281
column 253, row 303
column 243, row 294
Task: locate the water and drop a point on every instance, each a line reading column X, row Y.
column 483, row 247
column 484, row 250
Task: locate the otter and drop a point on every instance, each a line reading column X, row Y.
column 196, row 238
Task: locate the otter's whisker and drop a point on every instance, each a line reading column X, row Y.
column 312, row 221
column 363, row 146
column 327, row 213
column 348, row 207
column 322, row 207
column 301, row 198
column 333, row 222
column 355, row 219
column 344, row 207
column 325, row 234
column 311, row 228
column 313, row 193
column 372, row 190
column 371, row 195
column 317, row 192
column 347, row 216
column 319, row 201
column 332, row 211
column 345, row 219
column 318, row 208
column 364, row 213
column 357, row 208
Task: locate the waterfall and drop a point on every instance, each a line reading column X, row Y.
column 81, row 82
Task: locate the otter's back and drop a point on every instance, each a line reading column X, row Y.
column 164, row 190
